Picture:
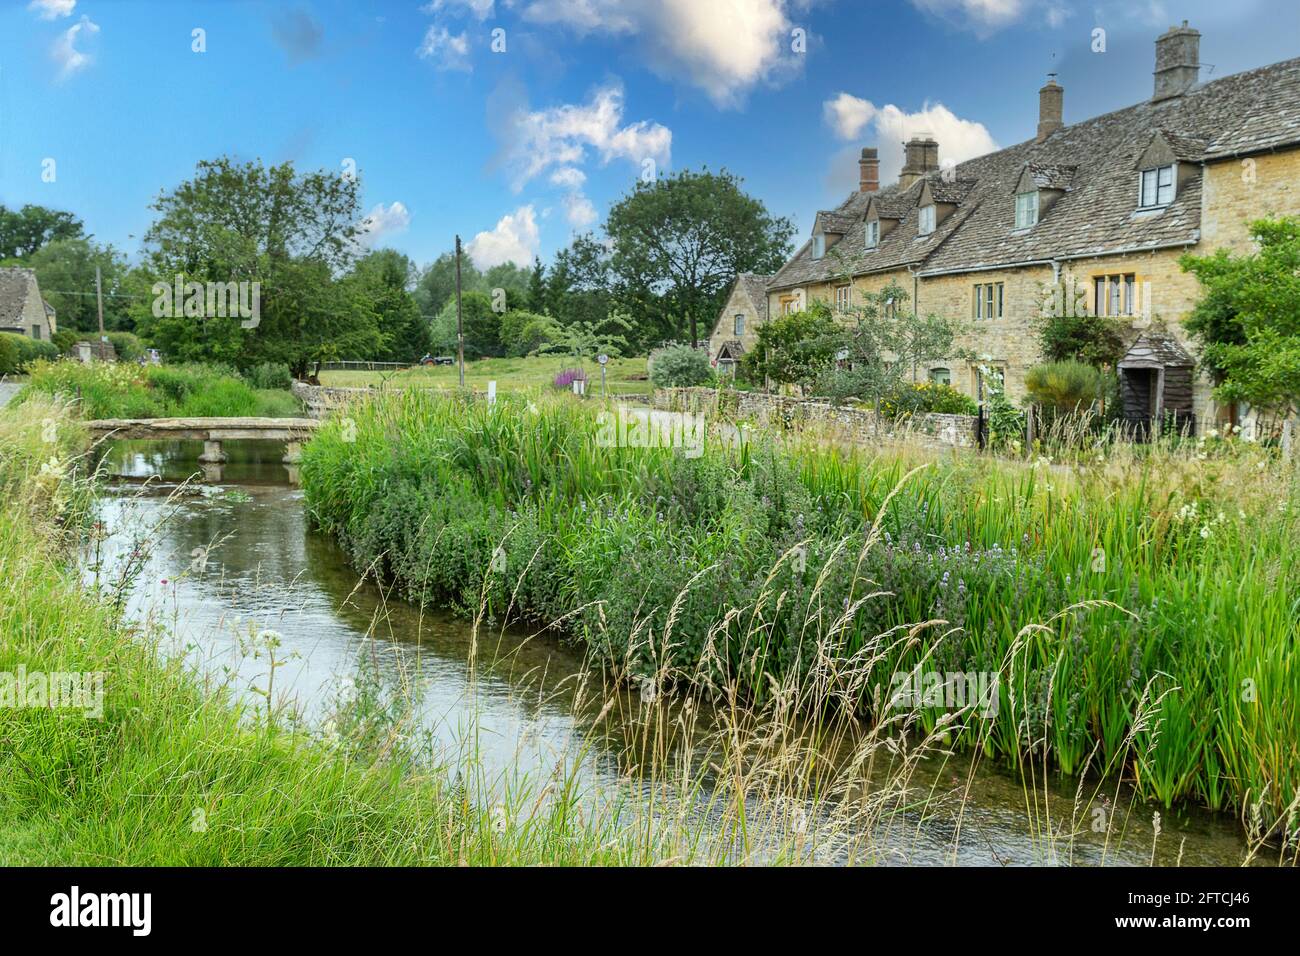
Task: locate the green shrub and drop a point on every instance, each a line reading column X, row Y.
column 8, row 357
column 918, row 398
column 276, row 403
column 128, row 346
column 30, row 350
column 64, row 340
column 1064, row 387
column 679, row 366
column 269, row 375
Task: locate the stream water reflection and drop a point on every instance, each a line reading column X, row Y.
column 266, row 569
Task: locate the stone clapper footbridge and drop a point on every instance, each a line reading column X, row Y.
column 211, row 431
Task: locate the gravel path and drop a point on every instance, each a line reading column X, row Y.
column 7, row 391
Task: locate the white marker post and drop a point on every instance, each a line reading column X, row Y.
column 603, row 359
column 492, row 393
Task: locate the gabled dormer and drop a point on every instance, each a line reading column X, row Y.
column 1165, row 166
column 1039, row 187
column 937, row 200
column 828, row 229
column 880, row 217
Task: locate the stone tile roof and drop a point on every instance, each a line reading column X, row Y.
column 15, row 286
column 1156, row 348
column 755, row 287
column 1052, row 175
column 1247, row 112
column 835, row 223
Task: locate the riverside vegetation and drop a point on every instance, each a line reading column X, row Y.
column 184, row 769
column 1139, row 604
column 125, row 390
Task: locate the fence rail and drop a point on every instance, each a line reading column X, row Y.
column 364, row 365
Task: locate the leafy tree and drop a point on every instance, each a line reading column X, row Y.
column 1248, row 321
column 437, row 282
column 578, row 288
column 482, row 326
column 1066, row 333
column 589, row 339
column 384, row 277
column 65, row 269
column 26, row 230
column 291, row 232
column 795, row 349
column 523, row 333
column 537, row 287
column 885, row 344
column 685, row 237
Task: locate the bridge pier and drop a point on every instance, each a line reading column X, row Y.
column 292, row 452
column 212, row 453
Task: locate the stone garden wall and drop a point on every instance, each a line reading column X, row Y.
column 846, row 422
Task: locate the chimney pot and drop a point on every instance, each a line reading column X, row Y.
column 869, row 170
column 1051, row 105
column 921, row 156
column 1178, row 62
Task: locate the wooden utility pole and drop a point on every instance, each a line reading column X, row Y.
column 99, row 301
column 460, row 329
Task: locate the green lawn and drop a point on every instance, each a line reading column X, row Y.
column 510, row 374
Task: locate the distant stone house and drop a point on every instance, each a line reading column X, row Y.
column 1102, row 209
column 737, row 327
column 22, row 309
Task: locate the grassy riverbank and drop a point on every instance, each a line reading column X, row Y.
column 125, row 390
column 1139, row 606
column 176, row 771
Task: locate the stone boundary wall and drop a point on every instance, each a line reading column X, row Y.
column 320, row 400
column 850, row 423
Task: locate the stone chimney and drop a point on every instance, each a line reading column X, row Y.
column 868, row 170
column 1178, row 62
column 1051, row 104
column 921, row 156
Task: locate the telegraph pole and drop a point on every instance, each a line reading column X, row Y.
column 99, row 301
column 460, row 330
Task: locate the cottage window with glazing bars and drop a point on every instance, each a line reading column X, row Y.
column 987, row 303
column 1157, row 187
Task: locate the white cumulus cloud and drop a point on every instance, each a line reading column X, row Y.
column 481, row 9
column 52, row 9
column 569, row 177
column 848, row 115
column 513, row 239
column 446, row 50
column 724, row 47
column 985, row 17
column 562, row 135
column 65, row 52
column 384, row 221
column 579, row 210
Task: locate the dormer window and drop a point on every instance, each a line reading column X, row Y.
column 819, row 245
column 873, row 233
column 1026, row 209
column 1157, row 188
column 925, row 220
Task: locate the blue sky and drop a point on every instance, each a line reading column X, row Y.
column 517, row 148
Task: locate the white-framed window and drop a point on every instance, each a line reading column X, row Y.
column 925, row 220
column 789, row 303
column 987, row 301
column 843, row 297
column 738, row 324
column 1026, row 209
column 1157, row 187
column 819, row 245
column 941, row 376
column 873, row 233
column 1114, row 295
